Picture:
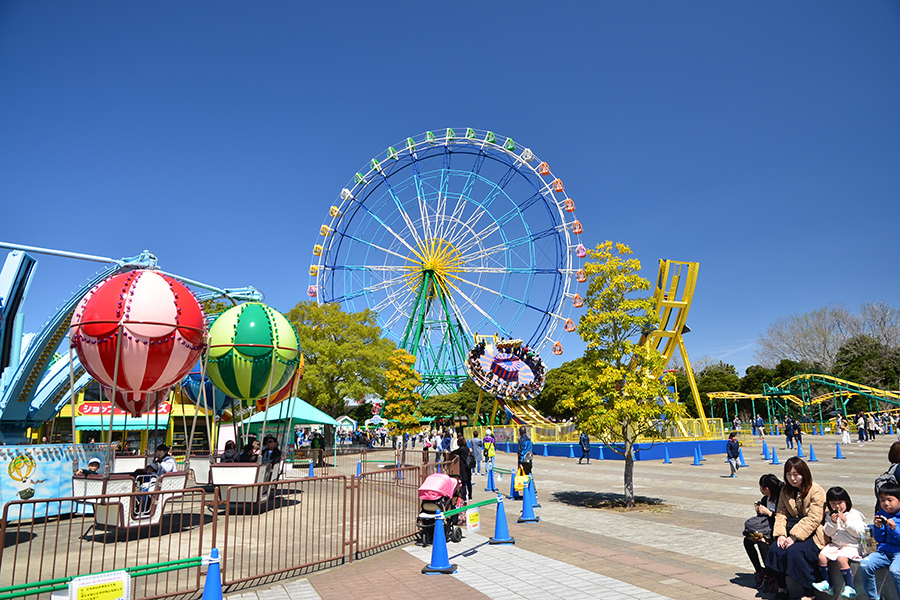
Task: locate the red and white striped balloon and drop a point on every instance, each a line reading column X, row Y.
column 163, row 333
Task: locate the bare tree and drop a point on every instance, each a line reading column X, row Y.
column 813, row 337
column 881, row 322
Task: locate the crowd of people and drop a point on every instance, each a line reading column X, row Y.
column 868, row 426
column 507, row 388
column 799, row 529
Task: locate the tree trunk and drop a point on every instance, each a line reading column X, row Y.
column 629, row 473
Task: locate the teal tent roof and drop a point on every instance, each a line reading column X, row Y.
column 303, row 413
column 121, row 423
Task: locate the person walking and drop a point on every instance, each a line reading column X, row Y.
column 477, row 447
column 489, row 449
column 585, row 442
column 525, row 454
column 861, row 427
column 734, row 451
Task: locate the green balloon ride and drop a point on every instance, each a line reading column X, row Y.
column 253, row 351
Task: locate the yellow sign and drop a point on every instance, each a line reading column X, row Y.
column 103, row 586
column 473, row 520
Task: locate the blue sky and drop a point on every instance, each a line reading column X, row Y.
column 761, row 139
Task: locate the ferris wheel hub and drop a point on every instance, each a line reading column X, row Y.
column 440, row 259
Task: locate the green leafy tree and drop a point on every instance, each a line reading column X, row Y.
column 619, row 394
column 346, row 357
column 441, row 405
column 718, row 377
column 865, row 360
column 559, row 385
column 754, row 378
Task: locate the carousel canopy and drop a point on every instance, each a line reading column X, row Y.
column 303, row 413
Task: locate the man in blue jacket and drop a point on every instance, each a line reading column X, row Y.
column 585, row 442
column 734, row 451
column 525, row 450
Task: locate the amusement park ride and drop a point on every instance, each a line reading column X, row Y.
column 448, row 234
column 451, row 233
column 35, row 386
column 442, row 236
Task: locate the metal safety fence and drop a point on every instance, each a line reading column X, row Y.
column 264, row 531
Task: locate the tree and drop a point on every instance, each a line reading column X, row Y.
column 813, row 337
column 441, row 405
column 401, row 398
column 346, row 357
column 619, row 395
column 754, row 378
column 718, row 377
column 881, row 321
column 559, row 384
column 865, row 360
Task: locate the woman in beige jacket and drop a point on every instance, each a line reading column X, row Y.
column 798, row 531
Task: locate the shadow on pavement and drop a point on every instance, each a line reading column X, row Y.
column 602, row 499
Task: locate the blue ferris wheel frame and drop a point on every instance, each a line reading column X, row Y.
column 372, row 225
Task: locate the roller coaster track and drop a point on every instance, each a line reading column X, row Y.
column 797, row 390
column 734, row 396
column 800, row 385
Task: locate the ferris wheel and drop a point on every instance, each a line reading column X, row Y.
column 447, row 235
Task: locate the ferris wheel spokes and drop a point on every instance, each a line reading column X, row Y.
column 403, row 214
column 370, row 290
column 475, row 305
column 388, row 228
column 500, row 294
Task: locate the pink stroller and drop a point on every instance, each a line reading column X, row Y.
column 438, row 492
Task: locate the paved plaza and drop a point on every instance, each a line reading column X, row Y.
column 687, row 547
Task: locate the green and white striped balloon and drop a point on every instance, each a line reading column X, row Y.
column 244, row 342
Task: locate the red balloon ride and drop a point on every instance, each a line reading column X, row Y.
column 150, row 325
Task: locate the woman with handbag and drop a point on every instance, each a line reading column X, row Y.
column 798, row 535
column 758, row 529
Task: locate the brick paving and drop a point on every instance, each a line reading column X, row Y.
column 688, row 547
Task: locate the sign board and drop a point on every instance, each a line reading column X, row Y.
column 473, row 520
column 115, row 585
column 105, row 408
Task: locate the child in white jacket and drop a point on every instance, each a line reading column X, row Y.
column 845, row 526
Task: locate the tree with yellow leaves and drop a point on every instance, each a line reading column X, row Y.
column 401, row 400
column 618, row 396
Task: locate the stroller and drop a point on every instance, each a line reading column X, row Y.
column 438, row 492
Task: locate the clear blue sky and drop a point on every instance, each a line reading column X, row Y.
column 761, row 139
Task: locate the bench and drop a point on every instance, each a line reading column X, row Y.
column 129, row 464
column 224, row 476
column 200, row 469
column 122, row 511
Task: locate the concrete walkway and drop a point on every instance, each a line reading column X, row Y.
column 687, row 547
